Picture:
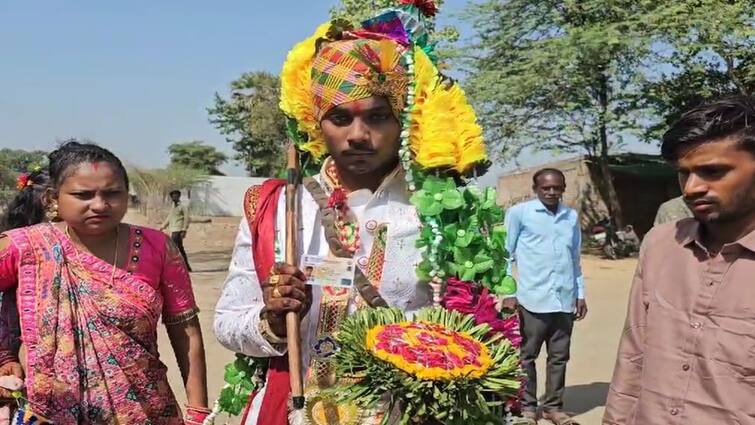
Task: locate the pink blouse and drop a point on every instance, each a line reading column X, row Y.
column 152, row 259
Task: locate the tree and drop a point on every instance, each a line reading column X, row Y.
column 707, row 50
column 19, row 160
column 198, row 156
column 15, row 161
column 252, row 122
column 152, row 187
column 559, row 75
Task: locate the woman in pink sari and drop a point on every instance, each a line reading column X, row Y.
column 90, row 293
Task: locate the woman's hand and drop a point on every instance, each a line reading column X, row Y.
column 12, row 369
column 285, row 291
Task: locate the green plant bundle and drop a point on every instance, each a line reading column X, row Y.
column 243, row 376
column 471, row 244
column 373, row 383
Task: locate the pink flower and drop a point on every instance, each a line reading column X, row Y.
column 486, row 312
column 459, row 296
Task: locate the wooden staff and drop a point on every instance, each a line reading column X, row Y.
column 292, row 319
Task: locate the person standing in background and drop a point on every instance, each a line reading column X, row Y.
column 177, row 223
column 544, row 240
column 672, row 210
column 687, row 352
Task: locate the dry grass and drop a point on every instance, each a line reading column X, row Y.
column 153, row 186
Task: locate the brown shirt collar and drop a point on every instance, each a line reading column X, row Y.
column 688, row 231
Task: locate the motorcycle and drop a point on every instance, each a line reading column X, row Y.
column 615, row 243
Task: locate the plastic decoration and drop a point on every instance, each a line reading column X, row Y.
column 439, row 367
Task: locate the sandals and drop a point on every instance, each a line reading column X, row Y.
column 557, row 417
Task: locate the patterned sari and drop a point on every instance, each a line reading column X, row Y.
column 90, row 336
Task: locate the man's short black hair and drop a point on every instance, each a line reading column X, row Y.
column 545, row 171
column 730, row 116
column 174, row 192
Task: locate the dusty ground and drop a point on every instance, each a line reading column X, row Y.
column 593, row 350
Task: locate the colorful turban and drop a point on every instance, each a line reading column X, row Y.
column 390, row 55
column 348, row 70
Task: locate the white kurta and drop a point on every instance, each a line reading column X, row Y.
column 237, row 313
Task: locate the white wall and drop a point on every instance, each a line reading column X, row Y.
column 222, row 196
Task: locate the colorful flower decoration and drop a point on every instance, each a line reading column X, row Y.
column 441, row 366
column 429, row 351
column 427, row 7
column 296, row 94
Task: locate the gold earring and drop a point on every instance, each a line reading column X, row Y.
column 52, row 212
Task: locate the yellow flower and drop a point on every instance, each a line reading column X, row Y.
column 444, row 132
column 296, row 91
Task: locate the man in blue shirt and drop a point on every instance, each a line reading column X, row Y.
column 544, row 240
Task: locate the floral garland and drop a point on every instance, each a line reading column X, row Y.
column 348, row 230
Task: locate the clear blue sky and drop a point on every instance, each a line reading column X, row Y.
column 137, row 75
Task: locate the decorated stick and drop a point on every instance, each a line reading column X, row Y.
column 292, row 318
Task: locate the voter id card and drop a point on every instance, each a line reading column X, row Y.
column 328, row 271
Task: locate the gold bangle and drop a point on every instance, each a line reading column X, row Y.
column 277, row 293
column 268, row 334
column 274, row 279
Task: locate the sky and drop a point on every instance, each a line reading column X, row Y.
column 137, row 76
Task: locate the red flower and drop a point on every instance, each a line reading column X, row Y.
column 427, row 7
column 22, row 181
column 337, row 199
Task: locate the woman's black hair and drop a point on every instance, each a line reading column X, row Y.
column 28, row 207
column 73, row 153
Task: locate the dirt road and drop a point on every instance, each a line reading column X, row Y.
column 593, row 351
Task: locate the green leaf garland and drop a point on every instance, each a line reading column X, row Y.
column 473, row 242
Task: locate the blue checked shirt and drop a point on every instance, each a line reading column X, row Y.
column 546, row 250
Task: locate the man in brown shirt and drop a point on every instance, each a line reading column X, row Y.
column 687, row 355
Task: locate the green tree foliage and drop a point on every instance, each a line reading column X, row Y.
column 584, row 76
column 12, row 163
column 15, row 161
column 19, row 160
column 706, row 48
column 558, row 75
column 252, row 122
column 198, row 156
